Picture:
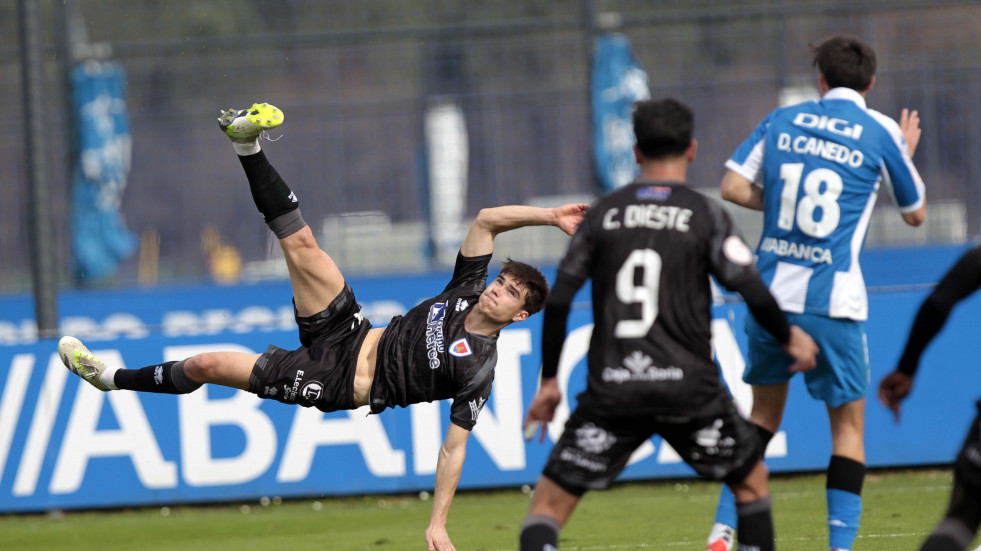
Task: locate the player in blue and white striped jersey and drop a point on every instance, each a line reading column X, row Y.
column 815, row 170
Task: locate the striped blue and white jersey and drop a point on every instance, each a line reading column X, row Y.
column 820, row 164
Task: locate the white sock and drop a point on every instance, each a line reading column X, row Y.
column 723, row 532
column 244, row 149
column 107, row 378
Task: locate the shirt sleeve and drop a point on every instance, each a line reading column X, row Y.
column 730, row 259
column 470, row 400
column 897, row 170
column 469, row 271
column 747, row 160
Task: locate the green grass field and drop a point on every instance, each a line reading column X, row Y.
column 901, row 508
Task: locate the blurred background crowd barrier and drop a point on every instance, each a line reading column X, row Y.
column 404, row 118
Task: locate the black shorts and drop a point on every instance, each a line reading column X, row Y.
column 320, row 373
column 595, row 447
column 967, row 467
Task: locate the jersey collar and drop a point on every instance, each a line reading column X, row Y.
column 846, row 93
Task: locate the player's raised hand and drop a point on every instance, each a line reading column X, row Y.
column 542, row 409
column 802, row 349
column 568, row 217
column 893, row 388
column 909, row 123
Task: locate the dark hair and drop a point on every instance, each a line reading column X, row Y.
column 845, row 61
column 663, row 128
column 535, row 284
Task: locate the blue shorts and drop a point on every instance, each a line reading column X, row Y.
column 842, row 373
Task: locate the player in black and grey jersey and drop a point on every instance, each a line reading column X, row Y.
column 442, row 348
column 650, row 248
column 430, row 354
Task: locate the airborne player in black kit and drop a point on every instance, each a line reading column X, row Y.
column 445, row 347
column 650, row 248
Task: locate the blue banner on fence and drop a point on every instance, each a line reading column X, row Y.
column 103, row 145
column 617, row 83
column 61, row 440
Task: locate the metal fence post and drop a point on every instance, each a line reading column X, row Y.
column 41, row 229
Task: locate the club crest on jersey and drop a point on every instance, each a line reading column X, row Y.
column 654, row 193
column 460, row 348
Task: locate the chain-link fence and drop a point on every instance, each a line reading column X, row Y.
column 357, row 78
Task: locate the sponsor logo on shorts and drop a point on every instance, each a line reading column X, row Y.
column 581, row 460
column 434, row 333
column 270, row 391
column 460, row 348
column 593, row 439
column 712, row 442
column 290, row 393
column 639, row 367
column 358, row 319
column 312, row 391
column 596, row 464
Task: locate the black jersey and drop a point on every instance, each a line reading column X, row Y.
column 650, row 248
column 427, row 354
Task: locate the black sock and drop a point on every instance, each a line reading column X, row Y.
column 845, row 474
column 755, row 524
column 942, row 542
column 272, row 196
column 538, row 532
column 949, row 534
column 165, row 378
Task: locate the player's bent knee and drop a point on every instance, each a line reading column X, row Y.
column 754, row 486
column 202, row 368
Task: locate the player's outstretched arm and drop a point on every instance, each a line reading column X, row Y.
column 492, row 221
column 961, row 281
column 448, row 468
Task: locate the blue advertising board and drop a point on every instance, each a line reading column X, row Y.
column 65, row 445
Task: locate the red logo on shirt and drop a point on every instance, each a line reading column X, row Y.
column 460, row 348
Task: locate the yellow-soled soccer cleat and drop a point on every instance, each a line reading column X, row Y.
column 248, row 124
column 80, row 361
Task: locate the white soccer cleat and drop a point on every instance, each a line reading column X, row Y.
column 80, row 361
column 721, row 538
column 244, row 125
